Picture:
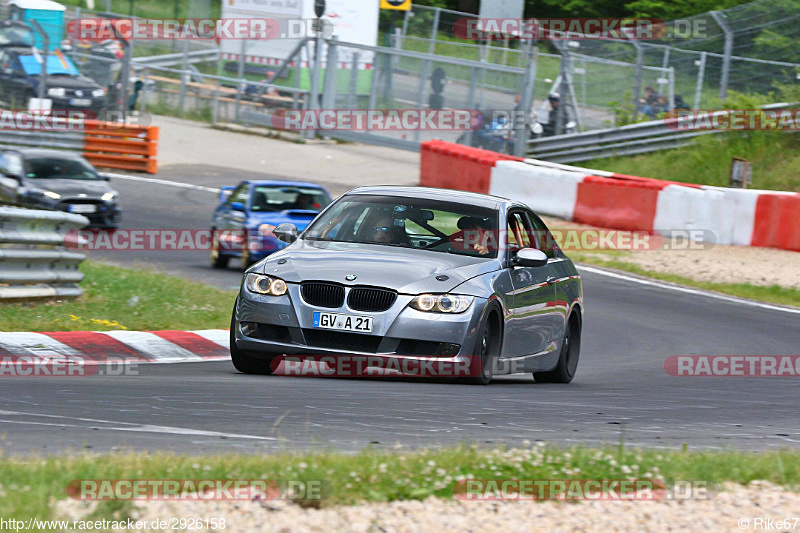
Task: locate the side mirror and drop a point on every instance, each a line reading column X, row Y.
column 225, row 192
column 285, row 232
column 529, row 257
column 105, row 178
column 237, row 206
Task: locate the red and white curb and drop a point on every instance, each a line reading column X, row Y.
column 114, row 346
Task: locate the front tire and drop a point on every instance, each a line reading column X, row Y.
column 487, row 348
column 567, row 359
column 245, row 363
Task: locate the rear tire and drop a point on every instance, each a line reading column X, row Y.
column 487, row 348
column 245, row 363
column 217, row 259
column 568, row 358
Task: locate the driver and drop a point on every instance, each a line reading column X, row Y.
column 473, row 235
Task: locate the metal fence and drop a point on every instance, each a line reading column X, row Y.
column 749, row 48
column 632, row 139
column 34, row 262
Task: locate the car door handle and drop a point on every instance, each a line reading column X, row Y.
column 550, row 280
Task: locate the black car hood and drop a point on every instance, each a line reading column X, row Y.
column 93, row 189
column 405, row 270
column 72, row 83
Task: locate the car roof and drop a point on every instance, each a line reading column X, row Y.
column 284, row 183
column 43, row 152
column 433, row 193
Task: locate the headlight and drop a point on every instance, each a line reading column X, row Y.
column 107, row 197
column 441, row 303
column 265, row 285
column 97, row 93
column 51, row 194
column 56, row 91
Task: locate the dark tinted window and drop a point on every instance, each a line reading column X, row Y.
column 56, row 168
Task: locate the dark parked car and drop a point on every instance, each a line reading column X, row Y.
column 20, row 70
column 15, row 33
column 415, row 275
column 51, row 179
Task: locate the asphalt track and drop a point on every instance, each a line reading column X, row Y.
column 621, row 392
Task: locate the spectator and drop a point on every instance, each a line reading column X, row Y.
column 552, row 119
column 649, row 102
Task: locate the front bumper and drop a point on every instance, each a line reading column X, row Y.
column 270, row 325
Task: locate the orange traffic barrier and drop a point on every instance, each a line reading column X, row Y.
column 129, row 148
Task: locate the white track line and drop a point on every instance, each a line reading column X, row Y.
column 161, row 182
column 120, row 426
column 687, row 290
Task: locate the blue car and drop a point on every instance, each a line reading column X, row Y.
column 243, row 222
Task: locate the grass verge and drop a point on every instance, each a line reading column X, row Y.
column 775, row 157
column 32, row 485
column 772, row 293
column 121, row 298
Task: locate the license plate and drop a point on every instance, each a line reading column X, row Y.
column 82, row 208
column 362, row 324
column 83, row 102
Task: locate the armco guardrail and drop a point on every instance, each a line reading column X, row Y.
column 632, row 139
column 34, row 261
column 104, row 144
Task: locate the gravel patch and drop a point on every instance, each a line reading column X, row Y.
column 721, row 513
column 718, row 263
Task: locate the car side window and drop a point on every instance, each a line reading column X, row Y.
column 544, row 239
column 239, row 195
column 518, row 232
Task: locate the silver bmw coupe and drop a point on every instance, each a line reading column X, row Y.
column 415, row 278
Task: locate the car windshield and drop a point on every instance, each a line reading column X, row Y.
column 281, row 198
column 16, row 35
column 433, row 225
column 55, row 168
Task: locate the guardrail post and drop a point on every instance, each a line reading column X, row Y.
column 423, row 78
column 698, row 90
column 184, row 74
column 470, row 103
column 728, row 51
column 434, row 30
column 240, row 82
column 671, row 88
column 526, row 99
column 43, row 75
column 331, row 70
column 143, row 101
column 637, row 81
column 316, row 72
column 353, row 89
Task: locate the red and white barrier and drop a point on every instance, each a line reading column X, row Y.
column 605, row 199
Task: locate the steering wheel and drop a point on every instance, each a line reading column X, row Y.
column 439, row 242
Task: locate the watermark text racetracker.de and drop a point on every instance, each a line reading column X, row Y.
column 733, row 120
column 770, row 366
column 69, row 120
column 67, row 366
column 198, row 489
column 146, row 29
column 263, row 239
column 582, row 490
column 377, row 119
